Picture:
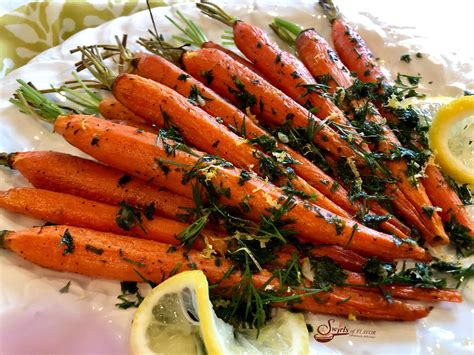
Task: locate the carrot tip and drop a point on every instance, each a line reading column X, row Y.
column 6, row 159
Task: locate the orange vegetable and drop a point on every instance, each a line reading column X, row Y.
column 78, row 176
column 139, row 154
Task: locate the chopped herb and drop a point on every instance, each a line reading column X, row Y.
column 183, row 77
column 65, row 288
column 405, row 58
column 127, row 217
column 428, row 210
column 459, row 237
column 164, row 168
column 419, row 55
column 188, row 235
column 68, row 242
column 128, row 260
column 131, row 296
column 95, row 141
column 326, row 272
column 124, row 180
column 196, row 97
column 243, row 97
column 295, row 75
column 149, row 210
column 244, row 176
column 93, row 249
column 208, row 76
column 338, row 223
column 278, row 58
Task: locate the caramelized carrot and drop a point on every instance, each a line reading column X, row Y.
column 246, row 89
column 163, row 71
column 357, row 281
column 111, row 256
column 140, row 153
column 282, row 69
column 163, row 106
column 60, row 208
column 82, row 177
column 314, row 49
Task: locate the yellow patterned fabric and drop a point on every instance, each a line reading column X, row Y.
column 37, row 26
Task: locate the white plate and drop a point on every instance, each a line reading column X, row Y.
column 36, row 318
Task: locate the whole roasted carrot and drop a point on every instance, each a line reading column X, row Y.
column 160, row 70
column 113, row 110
column 246, row 89
column 357, row 281
column 406, row 292
column 60, row 208
column 140, row 154
column 163, row 106
column 360, row 303
column 313, row 48
column 282, row 69
column 358, row 57
column 106, row 255
column 82, row 177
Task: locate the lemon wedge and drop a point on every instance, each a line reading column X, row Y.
column 452, row 139
column 177, row 318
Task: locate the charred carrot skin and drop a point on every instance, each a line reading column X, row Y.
column 111, row 256
column 314, row 49
column 313, row 223
column 246, row 89
column 287, row 73
column 114, row 111
column 85, row 178
column 64, row 209
column 149, row 99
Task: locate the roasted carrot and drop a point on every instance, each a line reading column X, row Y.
column 315, row 49
column 357, row 280
column 82, row 177
column 233, row 55
column 347, row 42
column 113, row 110
column 360, row 303
column 163, row 71
column 140, row 154
column 111, row 256
column 442, row 196
column 246, row 89
column 282, row 69
column 163, row 106
column 60, row 208
column 407, row 292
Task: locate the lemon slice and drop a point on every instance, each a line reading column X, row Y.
column 452, row 139
column 177, row 318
